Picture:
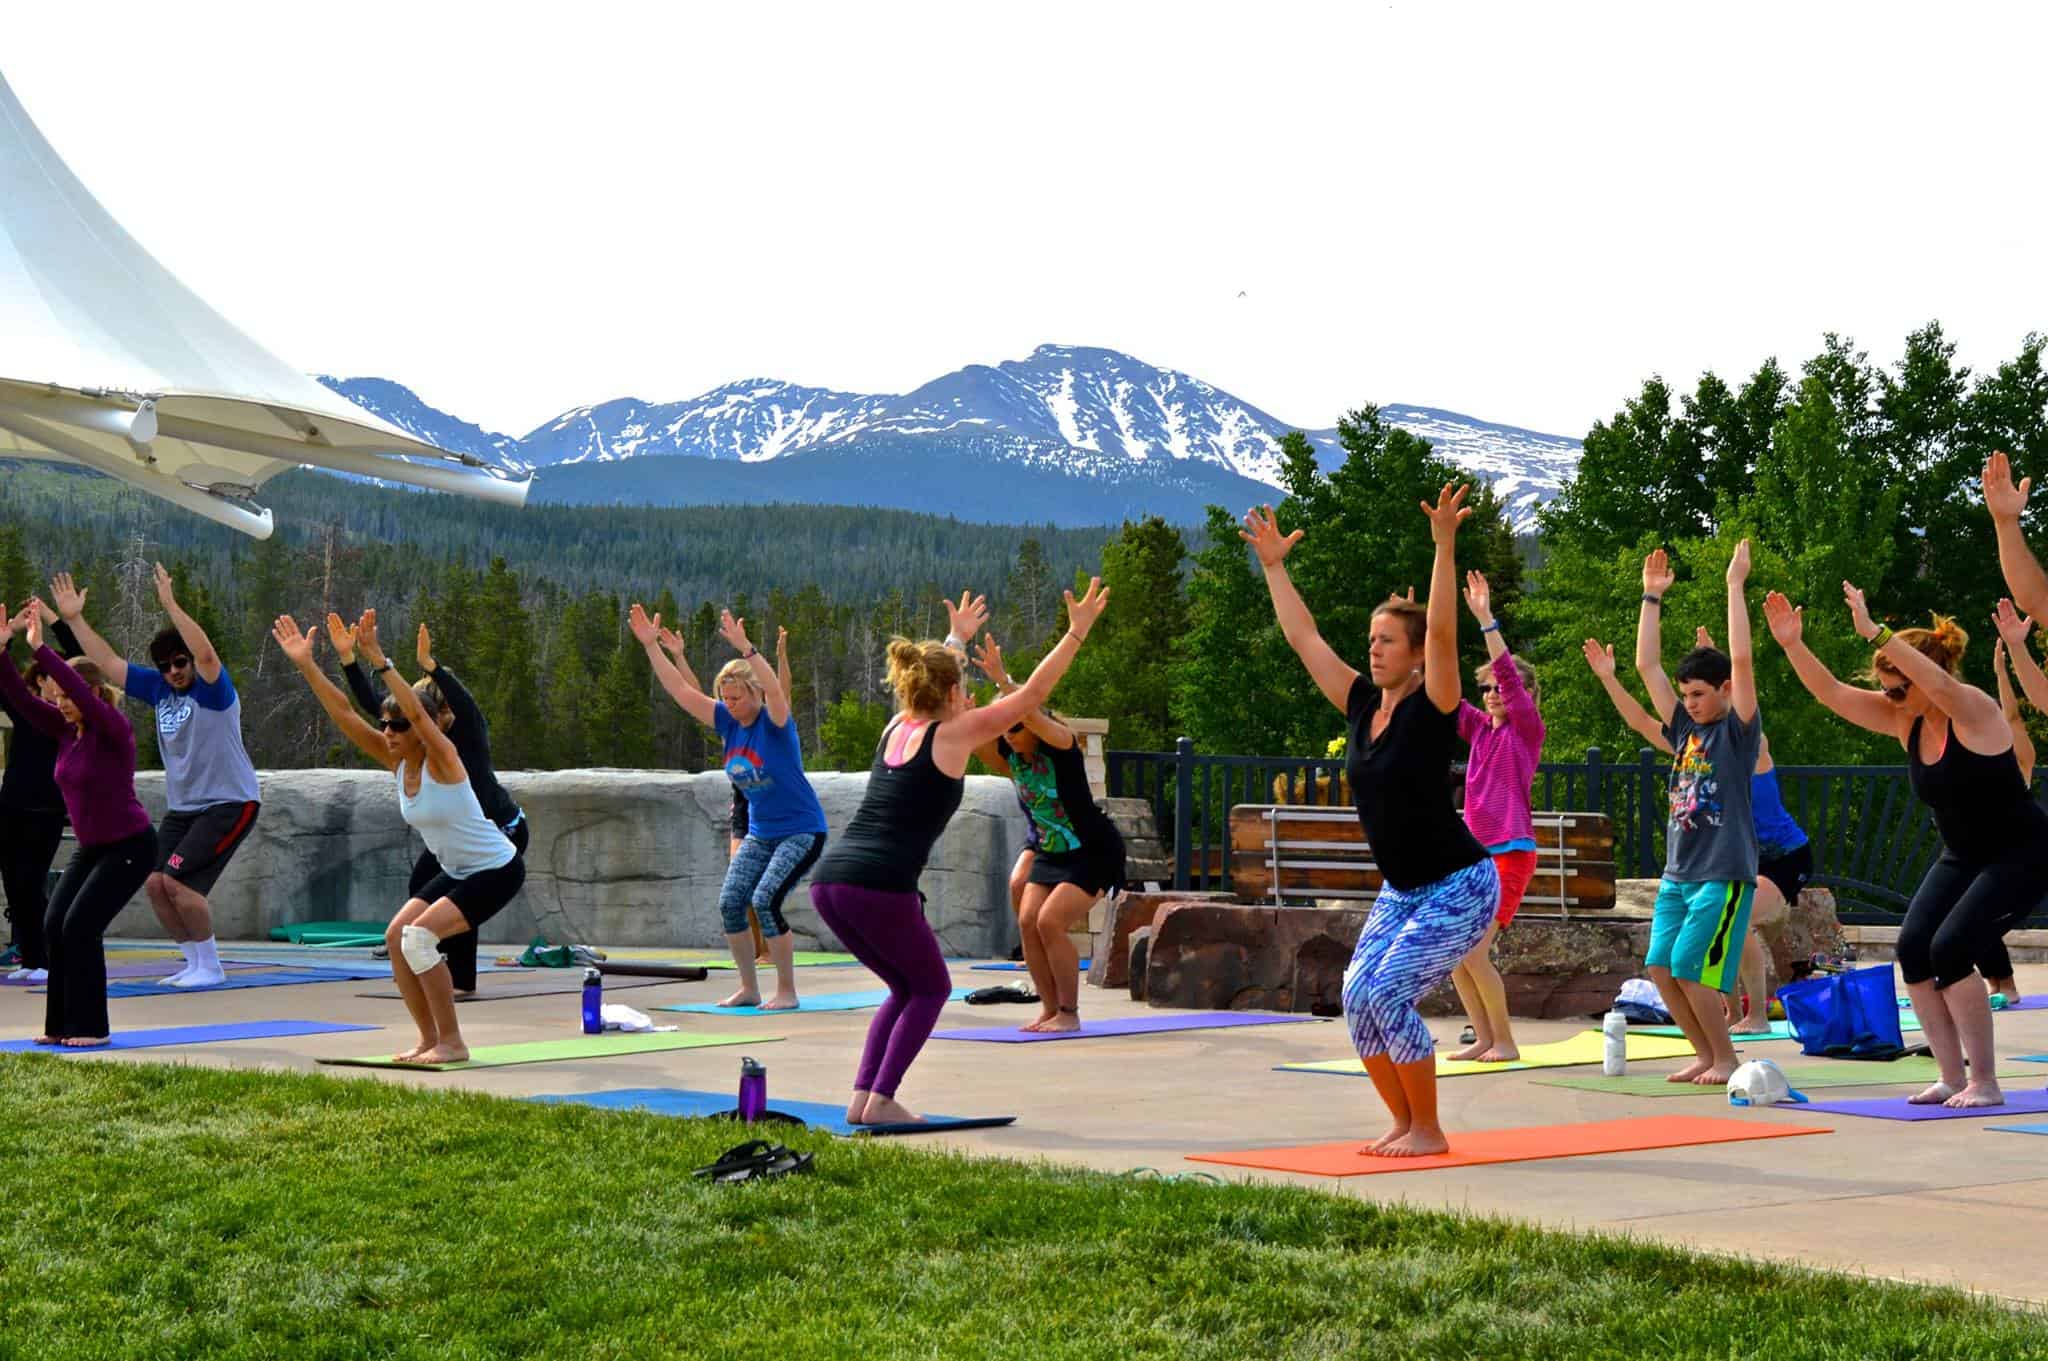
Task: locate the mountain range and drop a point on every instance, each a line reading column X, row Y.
column 1071, row 435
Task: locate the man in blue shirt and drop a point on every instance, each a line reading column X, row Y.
column 210, row 784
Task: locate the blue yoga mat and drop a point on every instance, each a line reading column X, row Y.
column 191, row 1034
column 1009, row 966
column 816, row 1114
column 278, row 979
column 825, row 1001
column 2018, row 1129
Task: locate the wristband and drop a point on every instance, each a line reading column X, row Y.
column 954, row 641
column 386, row 667
column 1880, row 638
column 1494, row 627
column 750, row 654
column 1649, row 599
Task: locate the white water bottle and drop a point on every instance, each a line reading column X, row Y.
column 1614, row 1054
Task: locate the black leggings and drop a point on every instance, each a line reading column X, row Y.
column 460, row 951
column 1961, row 912
column 96, row 886
column 27, row 849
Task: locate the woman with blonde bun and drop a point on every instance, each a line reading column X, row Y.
column 1960, row 761
column 865, row 888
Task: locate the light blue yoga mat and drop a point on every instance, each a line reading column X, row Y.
column 824, row 1001
column 191, row 1034
column 1009, row 966
column 2018, row 1129
column 278, row 979
column 816, row 1114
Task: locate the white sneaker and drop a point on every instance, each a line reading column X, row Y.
column 198, row 977
column 176, row 980
column 19, row 975
column 36, row 976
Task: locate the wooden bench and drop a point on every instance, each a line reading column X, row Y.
column 1282, row 852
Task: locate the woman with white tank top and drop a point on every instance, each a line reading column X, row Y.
column 481, row 870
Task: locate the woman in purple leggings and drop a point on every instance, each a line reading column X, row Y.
column 865, row 888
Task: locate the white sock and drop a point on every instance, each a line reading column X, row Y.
column 191, row 962
column 206, row 954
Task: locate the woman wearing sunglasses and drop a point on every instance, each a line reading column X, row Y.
column 1959, row 755
column 1077, row 853
column 1506, row 738
column 481, row 870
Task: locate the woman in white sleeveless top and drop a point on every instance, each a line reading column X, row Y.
column 481, row 870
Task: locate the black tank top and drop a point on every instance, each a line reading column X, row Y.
column 890, row 836
column 1401, row 785
column 1053, row 783
column 1980, row 804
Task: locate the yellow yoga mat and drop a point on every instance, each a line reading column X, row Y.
column 1587, row 1046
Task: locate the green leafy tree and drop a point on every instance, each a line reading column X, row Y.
column 1125, row 673
column 848, row 736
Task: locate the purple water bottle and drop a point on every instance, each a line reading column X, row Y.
column 593, row 1002
column 753, row 1090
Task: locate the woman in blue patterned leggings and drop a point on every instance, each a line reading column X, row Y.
column 1440, row 887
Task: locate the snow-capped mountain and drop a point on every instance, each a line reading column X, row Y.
column 1094, row 416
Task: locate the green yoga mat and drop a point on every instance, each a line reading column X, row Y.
column 330, row 933
column 1802, row 1076
column 1780, row 1030
column 801, row 959
column 553, row 1051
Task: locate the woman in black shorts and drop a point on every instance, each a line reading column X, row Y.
column 480, row 869
column 1079, row 855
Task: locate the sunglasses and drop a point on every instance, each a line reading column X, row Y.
column 177, row 663
column 1488, row 689
column 1896, row 693
column 396, row 724
column 1014, row 730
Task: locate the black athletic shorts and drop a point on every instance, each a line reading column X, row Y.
column 739, row 816
column 1097, row 868
column 1789, row 871
column 195, row 847
column 481, row 896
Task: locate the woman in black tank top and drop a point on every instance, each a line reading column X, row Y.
column 1440, row 888
column 865, row 889
column 1959, row 759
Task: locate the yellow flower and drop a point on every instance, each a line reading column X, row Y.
column 1335, row 749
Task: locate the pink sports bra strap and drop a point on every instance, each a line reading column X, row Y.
column 900, row 739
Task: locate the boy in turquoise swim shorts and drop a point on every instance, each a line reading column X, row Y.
column 1710, row 861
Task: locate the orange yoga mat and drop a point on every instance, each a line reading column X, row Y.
column 1475, row 1148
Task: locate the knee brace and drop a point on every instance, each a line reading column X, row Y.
column 420, row 947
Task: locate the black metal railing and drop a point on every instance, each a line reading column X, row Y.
column 1872, row 839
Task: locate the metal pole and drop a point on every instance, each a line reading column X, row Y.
column 1183, row 810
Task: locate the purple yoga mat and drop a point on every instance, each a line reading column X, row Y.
column 2028, row 1102
column 1126, row 1025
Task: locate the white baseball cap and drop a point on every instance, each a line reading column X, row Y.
column 1761, row 1082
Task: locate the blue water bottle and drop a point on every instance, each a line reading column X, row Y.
column 753, row 1090
column 593, row 1002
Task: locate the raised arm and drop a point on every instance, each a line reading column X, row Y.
column 298, row 649
column 782, row 676
column 988, row 656
column 1657, row 579
column 976, row 726
column 70, row 604
column 2013, row 633
column 454, row 693
column 1441, row 680
column 343, row 636
column 1865, row 708
column 2022, row 740
column 1331, row 673
column 1600, row 661
column 205, row 661
column 683, row 690
column 1962, row 702
column 1741, row 653
column 773, row 698
column 2007, row 502
column 444, row 763
column 21, row 705
column 1479, row 600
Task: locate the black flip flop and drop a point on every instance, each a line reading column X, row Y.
column 740, row 1163
column 1007, row 992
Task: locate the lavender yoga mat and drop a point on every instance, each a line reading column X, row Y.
column 191, row 1034
column 1125, row 1025
column 2028, row 1102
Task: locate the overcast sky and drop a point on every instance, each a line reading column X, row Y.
column 1514, row 211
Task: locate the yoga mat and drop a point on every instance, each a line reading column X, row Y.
column 1125, row 1025
column 311, row 933
column 717, row 959
column 816, row 1114
column 577, row 1047
column 1838, row 1073
column 1480, row 1147
column 277, row 979
column 2018, row 1129
column 1009, row 966
column 526, row 987
column 191, row 1034
column 675, row 973
column 1780, row 1030
column 147, row 971
column 1585, row 1047
column 828, row 1001
column 1896, row 1108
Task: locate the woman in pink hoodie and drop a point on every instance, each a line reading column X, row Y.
column 1507, row 741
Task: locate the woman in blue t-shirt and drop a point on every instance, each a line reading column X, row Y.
column 785, row 822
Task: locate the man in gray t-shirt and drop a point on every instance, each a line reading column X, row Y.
column 1702, row 914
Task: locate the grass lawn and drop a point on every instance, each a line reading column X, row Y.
column 159, row 1211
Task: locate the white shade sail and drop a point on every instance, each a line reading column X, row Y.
column 106, row 360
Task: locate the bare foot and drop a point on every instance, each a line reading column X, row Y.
column 1470, row 1053
column 443, row 1052
column 857, row 1107
column 1751, row 1025
column 1937, row 1095
column 1715, row 1075
column 1372, row 1149
column 781, row 1001
column 1063, row 1022
column 1501, row 1053
column 1690, row 1071
column 461, row 993
column 1416, row 1143
column 412, row 1055
column 742, row 998
column 48, row 1039
column 102, row 1041
column 887, row 1110
column 1975, row 1094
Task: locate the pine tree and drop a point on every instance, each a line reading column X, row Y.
column 1124, row 673
column 621, row 719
